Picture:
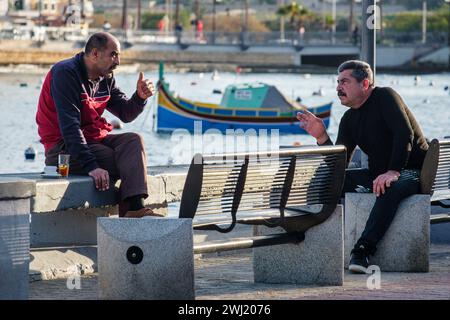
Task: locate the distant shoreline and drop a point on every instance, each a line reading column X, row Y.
column 182, row 67
column 14, row 54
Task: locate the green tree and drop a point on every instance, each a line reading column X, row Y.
column 150, row 20
column 296, row 13
column 437, row 21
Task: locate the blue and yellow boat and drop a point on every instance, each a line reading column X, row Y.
column 247, row 106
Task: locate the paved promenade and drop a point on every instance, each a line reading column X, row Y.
column 230, row 276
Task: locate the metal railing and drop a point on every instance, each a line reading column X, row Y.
column 275, row 39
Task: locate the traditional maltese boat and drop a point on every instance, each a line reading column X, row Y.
column 245, row 106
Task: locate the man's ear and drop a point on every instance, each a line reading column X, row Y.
column 94, row 53
column 365, row 84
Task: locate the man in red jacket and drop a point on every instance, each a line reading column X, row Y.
column 73, row 98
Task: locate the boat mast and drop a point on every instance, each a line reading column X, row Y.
column 161, row 71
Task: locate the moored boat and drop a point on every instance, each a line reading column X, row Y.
column 246, row 106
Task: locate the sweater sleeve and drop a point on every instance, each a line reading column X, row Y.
column 344, row 137
column 66, row 94
column 125, row 109
column 394, row 113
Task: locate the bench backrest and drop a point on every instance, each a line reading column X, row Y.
column 267, row 181
column 435, row 174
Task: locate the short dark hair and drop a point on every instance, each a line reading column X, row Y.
column 97, row 40
column 360, row 70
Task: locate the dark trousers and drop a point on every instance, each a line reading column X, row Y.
column 386, row 204
column 122, row 155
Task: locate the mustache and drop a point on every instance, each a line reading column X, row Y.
column 341, row 94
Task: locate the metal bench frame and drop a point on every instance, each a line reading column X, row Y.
column 286, row 195
column 435, row 177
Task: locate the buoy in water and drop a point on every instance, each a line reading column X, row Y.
column 215, row 75
column 217, row 91
column 319, row 92
column 117, row 124
column 193, row 83
column 431, row 84
column 30, row 153
column 23, row 84
column 445, row 88
column 201, row 75
column 417, row 80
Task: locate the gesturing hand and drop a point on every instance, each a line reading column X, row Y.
column 101, row 178
column 384, row 180
column 313, row 125
column 144, row 87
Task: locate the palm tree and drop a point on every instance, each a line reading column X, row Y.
column 380, row 5
column 197, row 9
column 244, row 27
column 138, row 18
column 281, row 4
column 296, row 13
column 351, row 19
column 177, row 13
column 213, row 39
column 124, row 15
column 245, row 24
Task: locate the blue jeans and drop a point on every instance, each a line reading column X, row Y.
column 385, row 206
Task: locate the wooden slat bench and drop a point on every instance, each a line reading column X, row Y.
column 269, row 189
column 282, row 193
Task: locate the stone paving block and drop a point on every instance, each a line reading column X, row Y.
column 405, row 246
column 230, row 277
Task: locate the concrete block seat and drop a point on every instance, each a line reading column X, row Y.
column 316, row 261
column 57, row 205
column 148, row 258
column 405, row 246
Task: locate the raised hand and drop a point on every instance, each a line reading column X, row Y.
column 144, row 87
column 313, row 125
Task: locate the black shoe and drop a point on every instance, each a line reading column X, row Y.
column 359, row 261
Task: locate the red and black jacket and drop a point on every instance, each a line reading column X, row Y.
column 71, row 107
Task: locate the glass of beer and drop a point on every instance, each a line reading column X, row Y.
column 63, row 164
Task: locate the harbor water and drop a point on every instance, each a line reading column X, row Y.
column 427, row 96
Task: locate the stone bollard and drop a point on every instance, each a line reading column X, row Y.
column 147, row 258
column 406, row 245
column 15, row 237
